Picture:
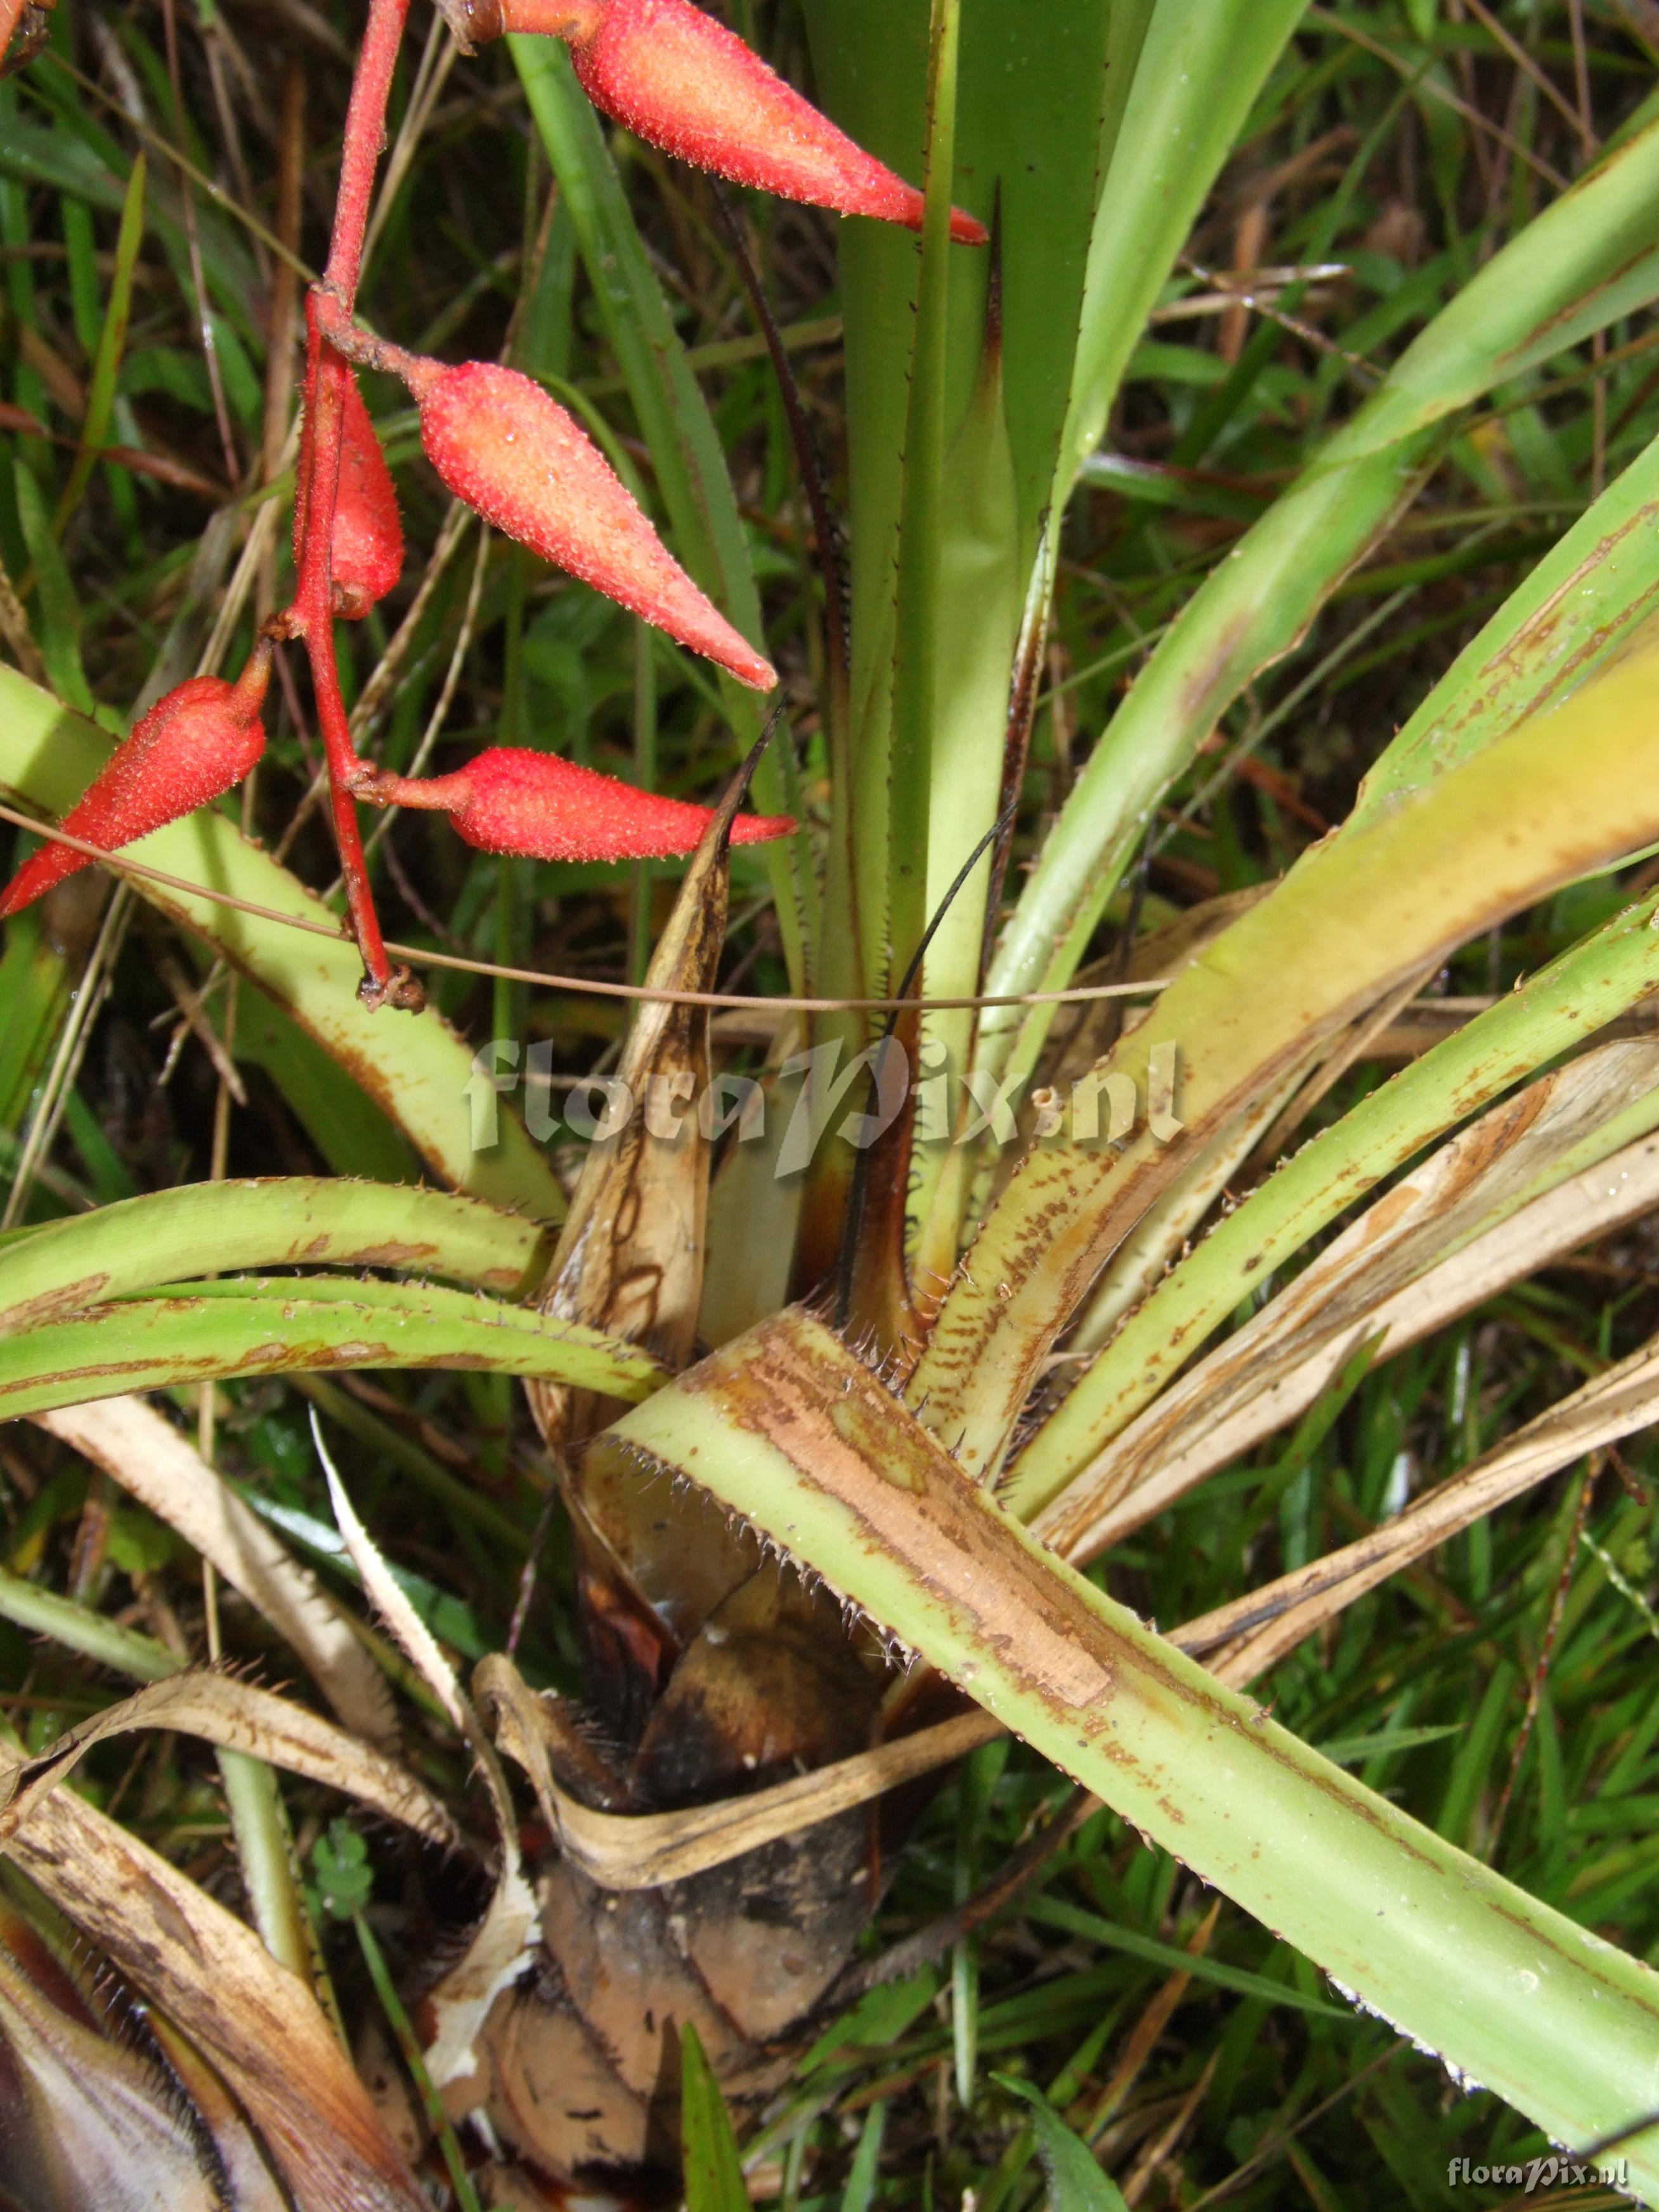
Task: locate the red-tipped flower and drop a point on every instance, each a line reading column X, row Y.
column 512, row 800
column 191, row 748
column 366, row 554
column 677, row 78
column 504, row 445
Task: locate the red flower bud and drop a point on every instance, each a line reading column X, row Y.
column 512, row 800
column 677, row 78
column 189, row 750
column 504, row 445
column 366, row 554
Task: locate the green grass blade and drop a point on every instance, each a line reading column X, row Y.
column 291, row 1221
column 713, row 2172
column 787, row 1428
column 413, row 1065
column 209, row 1333
column 1073, row 2171
column 111, row 346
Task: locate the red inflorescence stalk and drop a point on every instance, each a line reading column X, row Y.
column 192, row 748
column 328, row 378
column 366, row 555
column 510, row 799
column 677, row 78
column 508, row 449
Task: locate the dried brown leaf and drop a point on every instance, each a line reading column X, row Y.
column 133, row 1444
column 234, row 1714
column 1243, row 1640
column 259, row 2024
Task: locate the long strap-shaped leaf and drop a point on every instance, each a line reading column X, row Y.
column 287, row 1221
column 788, row 1428
column 1562, row 794
column 1552, row 1012
column 1591, row 256
column 207, row 1332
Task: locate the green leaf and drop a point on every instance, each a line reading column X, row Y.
column 42, row 1613
column 1357, row 913
column 1076, row 2183
column 354, row 1133
column 346, row 1880
column 57, row 622
column 1033, row 86
column 919, row 584
column 880, row 2016
column 786, row 1427
column 111, row 344
column 66, row 1266
column 713, row 2172
column 1591, row 256
column 859, row 2193
column 1576, row 613
column 1196, row 75
column 215, row 1331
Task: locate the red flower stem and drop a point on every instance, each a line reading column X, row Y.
column 312, row 614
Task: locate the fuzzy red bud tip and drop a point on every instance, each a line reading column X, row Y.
column 683, row 81
column 190, row 749
column 508, row 449
column 510, row 799
column 366, row 552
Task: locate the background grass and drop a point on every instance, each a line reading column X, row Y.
column 1502, row 1692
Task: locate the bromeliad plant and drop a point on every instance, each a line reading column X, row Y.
column 931, row 1383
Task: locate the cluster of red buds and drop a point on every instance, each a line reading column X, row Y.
column 677, row 78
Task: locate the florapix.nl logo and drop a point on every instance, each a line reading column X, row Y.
column 815, row 1093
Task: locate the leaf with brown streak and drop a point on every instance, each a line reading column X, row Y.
column 1529, row 1180
column 786, row 1427
column 141, row 1450
column 87, row 2117
column 1243, row 1640
column 259, row 2024
column 1353, row 918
